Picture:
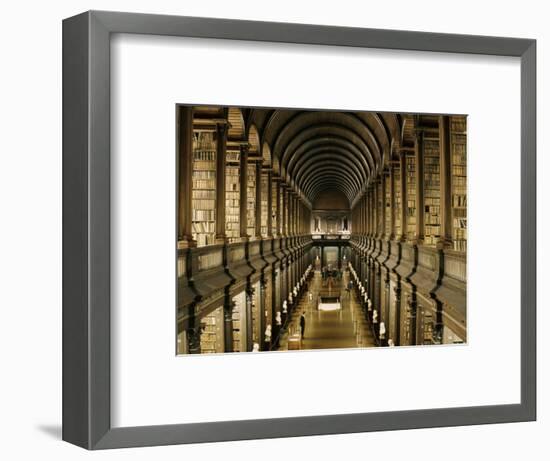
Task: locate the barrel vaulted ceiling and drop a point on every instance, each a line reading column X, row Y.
column 315, row 151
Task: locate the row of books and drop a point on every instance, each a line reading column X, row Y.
column 460, row 223
column 459, row 181
column 459, row 245
column 203, row 215
column 204, row 194
column 432, row 220
column 202, row 227
column 460, row 200
column 232, row 203
column 202, row 204
column 200, row 165
column 233, row 156
column 204, row 140
column 459, row 170
column 458, row 123
column 208, row 173
column 204, row 184
column 459, row 212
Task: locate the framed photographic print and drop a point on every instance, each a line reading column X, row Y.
column 275, row 230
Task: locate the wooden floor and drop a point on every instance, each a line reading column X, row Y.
column 345, row 328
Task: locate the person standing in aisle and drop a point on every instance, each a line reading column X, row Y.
column 303, row 323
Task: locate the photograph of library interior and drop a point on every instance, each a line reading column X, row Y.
column 301, row 229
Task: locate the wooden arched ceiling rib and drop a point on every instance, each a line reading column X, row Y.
column 351, row 127
column 309, row 167
column 339, row 181
column 330, row 171
column 338, row 145
column 355, row 142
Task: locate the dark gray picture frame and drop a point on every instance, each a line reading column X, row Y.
column 86, row 229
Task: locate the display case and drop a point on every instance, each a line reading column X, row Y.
column 459, row 182
column 432, row 193
column 204, row 188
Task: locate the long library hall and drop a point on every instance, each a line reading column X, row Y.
column 302, row 229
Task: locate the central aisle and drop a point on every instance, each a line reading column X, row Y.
column 345, row 328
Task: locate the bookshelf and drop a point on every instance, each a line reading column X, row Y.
column 380, row 206
column 397, row 197
column 232, row 202
column 212, row 332
column 251, row 200
column 239, row 317
column 282, row 211
column 268, row 301
column 432, row 217
column 256, row 313
column 203, row 214
column 411, row 197
column 459, row 194
column 387, row 206
column 264, row 191
column 274, row 216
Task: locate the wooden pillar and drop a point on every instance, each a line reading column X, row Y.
column 243, row 167
column 419, row 169
column 269, row 204
column 221, row 148
column 185, row 176
column 403, row 179
column 258, row 201
column 446, row 236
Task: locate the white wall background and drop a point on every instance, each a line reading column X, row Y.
column 30, row 235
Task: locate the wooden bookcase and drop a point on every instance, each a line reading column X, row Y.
column 265, row 211
column 459, row 193
column 397, row 198
column 380, row 199
column 212, row 332
column 204, row 188
column 432, row 193
column 411, row 196
column 251, row 200
column 239, row 318
column 387, row 206
column 274, row 217
column 256, row 314
column 232, row 202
